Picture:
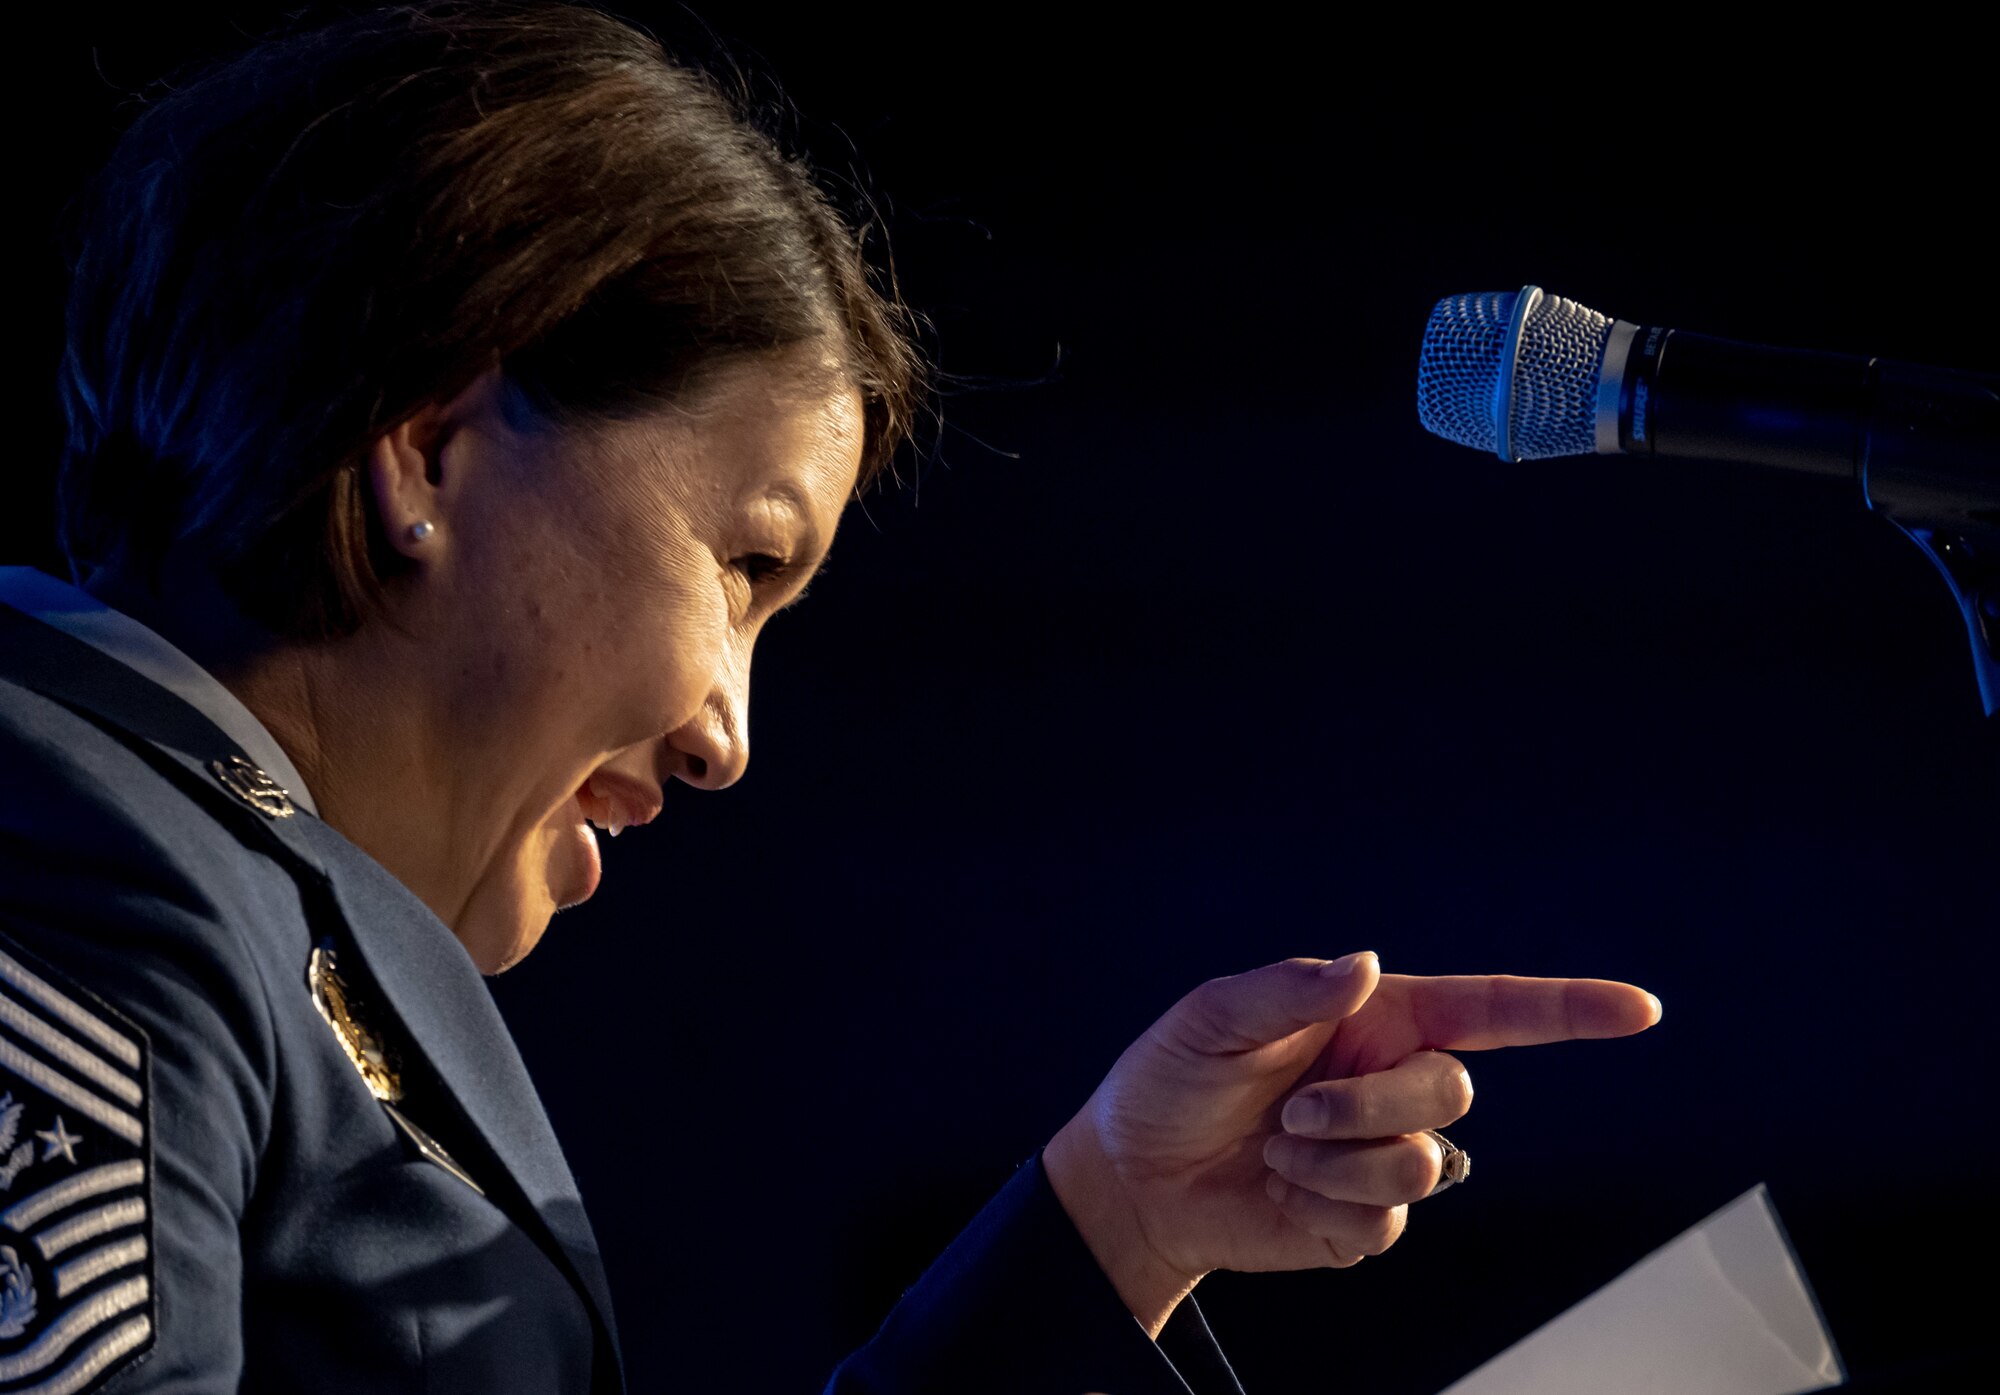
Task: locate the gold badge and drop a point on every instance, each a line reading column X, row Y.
column 380, row 1069
column 251, row 785
column 370, row 1054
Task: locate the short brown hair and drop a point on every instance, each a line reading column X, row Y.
column 294, row 252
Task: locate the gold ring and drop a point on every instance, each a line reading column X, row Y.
column 1457, row 1162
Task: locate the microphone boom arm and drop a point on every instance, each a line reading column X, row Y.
column 1930, row 465
column 1973, row 575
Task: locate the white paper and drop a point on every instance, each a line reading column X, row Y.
column 1722, row 1310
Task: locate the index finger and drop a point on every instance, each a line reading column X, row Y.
column 1477, row 1012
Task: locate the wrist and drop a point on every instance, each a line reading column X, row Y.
column 1085, row 1182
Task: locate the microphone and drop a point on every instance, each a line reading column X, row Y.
column 1531, row 376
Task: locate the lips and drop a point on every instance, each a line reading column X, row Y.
column 610, row 802
column 615, row 803
column 582, row 868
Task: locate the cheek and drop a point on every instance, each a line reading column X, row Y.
column 628, row 666
column 665, row 658
column 533, row 636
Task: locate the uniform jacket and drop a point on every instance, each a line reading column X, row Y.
column 200, row 1193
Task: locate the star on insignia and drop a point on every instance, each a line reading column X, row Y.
column 59, row 1140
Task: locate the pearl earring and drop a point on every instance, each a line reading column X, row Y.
column 422, row 530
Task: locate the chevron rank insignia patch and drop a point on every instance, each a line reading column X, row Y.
column 76, row 1242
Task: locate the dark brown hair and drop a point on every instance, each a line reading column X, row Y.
column 294, row 252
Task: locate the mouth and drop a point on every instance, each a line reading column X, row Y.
column 615, row 803
column 607, row 802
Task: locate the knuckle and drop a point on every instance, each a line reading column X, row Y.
column 1380, row 1229
column 1305, row 1112
column 1399, row 1220
column 1281, row 1154
column 1206, row 1008
column 1347, row 1112
column 1203, row 998
column 1419, row 1163
column 1336, row 1258
column 1455, row 1091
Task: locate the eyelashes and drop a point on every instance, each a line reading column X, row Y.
column 764, row 571
column 761, row 567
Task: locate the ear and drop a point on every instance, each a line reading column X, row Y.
column 415, row 474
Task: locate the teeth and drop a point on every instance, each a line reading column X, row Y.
column 612, row 822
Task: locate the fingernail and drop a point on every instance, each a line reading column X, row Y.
column 1658, row 1010
column 1304, row 1114
column 1345, row 965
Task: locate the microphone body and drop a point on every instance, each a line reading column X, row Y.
column 1922, row 443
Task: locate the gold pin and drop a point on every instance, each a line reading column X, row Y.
column 251, row 785
column 380, row 1070
column 430, row 1147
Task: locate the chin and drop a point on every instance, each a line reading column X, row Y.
column 510, row 909
column 505, row 918
column 498, row 942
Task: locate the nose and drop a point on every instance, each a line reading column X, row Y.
column 712, row 749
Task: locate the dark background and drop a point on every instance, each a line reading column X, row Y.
column 1184, row 650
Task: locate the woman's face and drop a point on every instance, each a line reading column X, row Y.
column 591, row 603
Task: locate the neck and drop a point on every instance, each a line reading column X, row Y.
column 351, row 714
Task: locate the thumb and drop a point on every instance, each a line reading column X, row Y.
column 1245, row 1011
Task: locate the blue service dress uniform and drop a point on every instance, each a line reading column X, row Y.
column 263, row 1129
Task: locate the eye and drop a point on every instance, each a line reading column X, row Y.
column 761, row 567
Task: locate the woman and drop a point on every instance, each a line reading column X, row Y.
column 454, row 393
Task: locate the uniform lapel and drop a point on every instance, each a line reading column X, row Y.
column 422, row 971
column 430, row 983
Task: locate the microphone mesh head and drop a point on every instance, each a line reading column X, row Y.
column 1459, row 370
column 1554, row 409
